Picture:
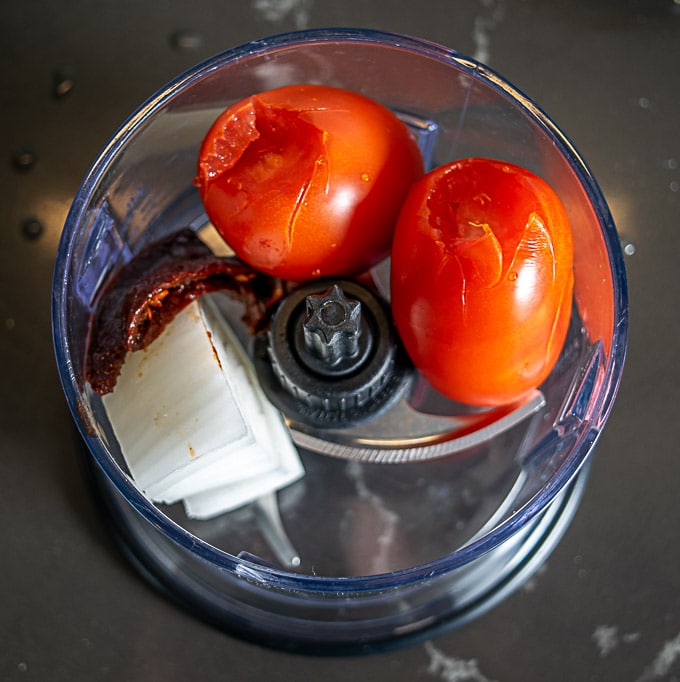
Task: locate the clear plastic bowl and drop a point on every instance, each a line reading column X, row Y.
column 388, row 550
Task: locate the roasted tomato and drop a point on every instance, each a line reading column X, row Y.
column 306, row 181
column 481, row 280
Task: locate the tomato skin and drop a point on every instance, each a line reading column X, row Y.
column 306, row 181
column 482, row 280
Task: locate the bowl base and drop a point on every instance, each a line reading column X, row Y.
column 132, row 535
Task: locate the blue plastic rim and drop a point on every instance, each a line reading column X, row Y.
column 65, row 346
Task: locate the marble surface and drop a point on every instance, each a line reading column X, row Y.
column 606, row 604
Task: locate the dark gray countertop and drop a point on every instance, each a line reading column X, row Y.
column 605, row 606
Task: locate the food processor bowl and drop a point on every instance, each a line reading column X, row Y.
column 403, row 525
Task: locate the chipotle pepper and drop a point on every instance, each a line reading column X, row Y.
column 147, row 292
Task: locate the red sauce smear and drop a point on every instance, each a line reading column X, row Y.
column 147, row 293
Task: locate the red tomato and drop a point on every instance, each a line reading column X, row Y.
column 481, row 280
column 306, row 181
